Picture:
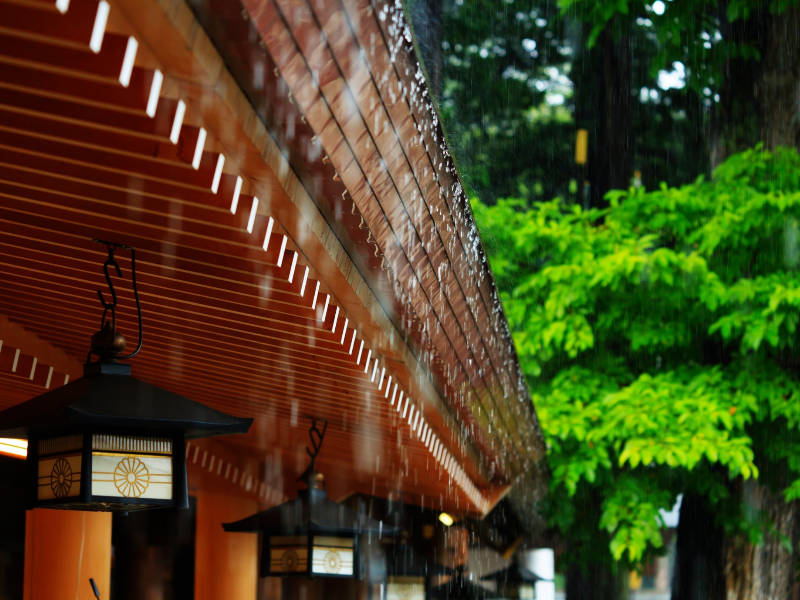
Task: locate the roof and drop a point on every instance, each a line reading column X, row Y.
column 304, row 247
column 116, row 402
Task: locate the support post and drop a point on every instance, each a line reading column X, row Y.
column 226, row 564
column 63, row 550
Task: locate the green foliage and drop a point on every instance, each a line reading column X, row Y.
column 658, row 339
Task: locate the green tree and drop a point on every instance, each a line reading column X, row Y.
column 658, row 339
column 504, row 97
column 743, row 57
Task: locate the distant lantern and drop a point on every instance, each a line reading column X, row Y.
column 405, row 588
column 310, row 536
column 108, row 441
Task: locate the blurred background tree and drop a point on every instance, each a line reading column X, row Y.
column 500, row 64
column 516, row 79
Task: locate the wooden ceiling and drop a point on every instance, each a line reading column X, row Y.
column 123, row 122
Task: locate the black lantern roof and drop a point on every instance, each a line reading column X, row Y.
column 107, row 396
column 405, row 560
column 513, row 573
column 461, row 588
column 311, row 512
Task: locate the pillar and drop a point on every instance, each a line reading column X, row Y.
column 226, row 564
column 63, row 549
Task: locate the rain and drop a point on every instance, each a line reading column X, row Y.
column 427, row 299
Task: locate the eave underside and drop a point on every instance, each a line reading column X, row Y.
column 233, row 316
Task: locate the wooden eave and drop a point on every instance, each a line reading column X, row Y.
column 351, row 70
column 274, row 308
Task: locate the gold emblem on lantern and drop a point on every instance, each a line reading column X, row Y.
column 333, row 562
column 131, row 477
column 60, row 478
column 290, row 560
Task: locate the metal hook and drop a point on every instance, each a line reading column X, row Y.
column 111, row 261
column 315, row 436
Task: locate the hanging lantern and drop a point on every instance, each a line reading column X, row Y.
column 310, row 536
column 109, row 441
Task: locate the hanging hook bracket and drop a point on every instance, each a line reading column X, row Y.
column 108, row 343
column 316, row 435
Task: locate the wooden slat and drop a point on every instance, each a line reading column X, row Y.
column 40, row 23
column 104, row 66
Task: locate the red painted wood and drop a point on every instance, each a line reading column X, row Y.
column 79, row 84
column 32, row 52
column 71, row 29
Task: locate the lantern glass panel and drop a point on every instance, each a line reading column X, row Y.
column 526, row 591
column 405, row 588
column 59, row 469
column 117, row 467
column 332, row 556
column 132, row 467
column 288, row 554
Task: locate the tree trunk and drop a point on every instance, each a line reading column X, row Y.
column 591, row 570
column 699, row 568
column 597, row 582
column 759, row 102
column 769, row 89
column 735, row 119
column 779, row 81
column 759, row 98
column 769, row 569
column 603, row 104
column 711, row 565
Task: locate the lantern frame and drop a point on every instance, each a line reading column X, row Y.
column 133, row 474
